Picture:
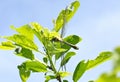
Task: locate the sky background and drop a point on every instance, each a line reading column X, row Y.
column 96, row 21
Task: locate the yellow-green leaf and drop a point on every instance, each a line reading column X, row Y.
column 100, row 59
column 7, row 45
column 65, row 15
column 25, row 30
column 21, row 40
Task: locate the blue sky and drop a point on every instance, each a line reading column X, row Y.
column 96, row 21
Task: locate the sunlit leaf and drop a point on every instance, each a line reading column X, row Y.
column 66, row 14
column 25, row 30
column 108, row 78
column 79, row 70
column 24, row 74
column 25, row 53
column 64, row 74
column 36, row 26
column 42, row 33
column 100, row 59
column 67, row 57
column 35, row 66
column 7, row 45
column 21, row 40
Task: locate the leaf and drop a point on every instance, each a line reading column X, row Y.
column 73, row 39
column 79, row 70
column 104, row 56
column 7, row 45
column 35, row 66
column 68, row 13
column 21, row 40
column 117, row 50
column 25, row 30
column 25, row 53
column 65, row 80
column 41, row 33
column 108, row 78
column 24, row 74
column 64, row 74
column 67, row 57
column 45, row 59
column 49, row 77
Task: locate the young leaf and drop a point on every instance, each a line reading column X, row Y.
column 24, row 74
column 7, row 45
column 100, row 59
column 35, row 66
column 25, row 30
column 64, row 74
column 67, row 57
column 25, row 53
column 21, row 40
column 79, row 70
column 68, row 13
column 38, row 31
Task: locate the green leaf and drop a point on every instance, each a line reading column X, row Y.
column 49, row 77
column 65, row 80
column 21, row 40
column 104, row 56
column 25, row 30
column 79, row 70
column 38, row 31
column 64, row 74
column 35, row 66
column 24, row 74
column 7, row 45
column 25, row 53
column 45, row 59
column 117, row 50
column 66, row 14
column 67, row 57
column 73, row 39
column 108, row 78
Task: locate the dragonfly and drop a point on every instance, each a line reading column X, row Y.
column 63, row 30
column 60, row 39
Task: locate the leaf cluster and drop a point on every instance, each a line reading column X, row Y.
column 54, row 48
